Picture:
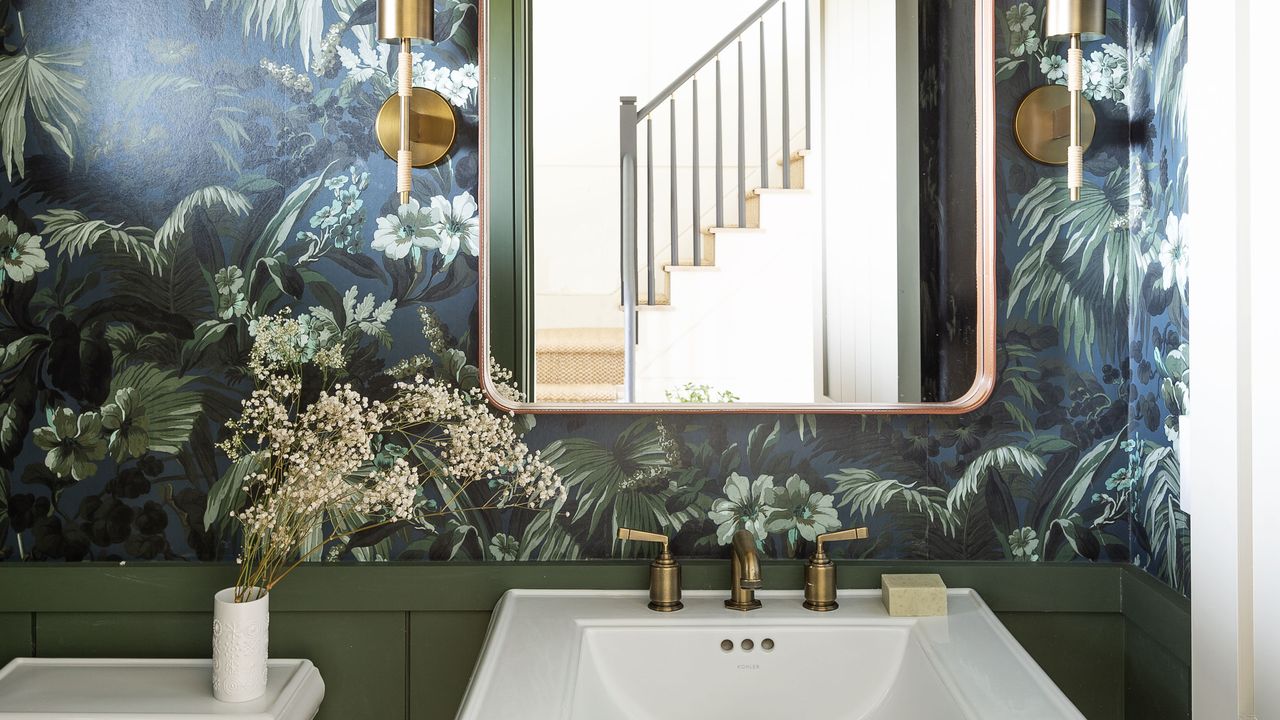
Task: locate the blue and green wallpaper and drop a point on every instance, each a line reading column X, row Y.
column 175, row 170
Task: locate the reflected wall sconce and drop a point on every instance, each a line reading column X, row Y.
column 415, row 126
column 1055, row 124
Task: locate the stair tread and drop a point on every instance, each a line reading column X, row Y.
column 777, row 190
column 591, row 340
column 686, row 268
column 576, row 392
column 734, row 230
column 664, row 303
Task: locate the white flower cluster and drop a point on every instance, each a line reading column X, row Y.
column 458, row 86
column 477, row 445
column 310, row 463
column 1106, row 74
column 433, row 330
column 317, row 462
column 327, row 61
column 288, row 78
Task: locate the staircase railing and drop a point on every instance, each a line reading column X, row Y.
column 630, row 117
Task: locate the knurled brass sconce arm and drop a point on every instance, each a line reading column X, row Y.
column 415, row 126
column 820, row 573
column 664, row 572
column 1075, row 21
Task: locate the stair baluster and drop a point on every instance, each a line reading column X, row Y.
column 742, row 140
column 719, row 156
column 675, row 198
column 630, row 119
column 764, row 112
column 786, row 105
column 697, row 186
column 650, row 298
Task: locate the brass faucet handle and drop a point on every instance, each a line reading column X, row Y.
column 820, row 573
column 850, row 534
column 664, row 572
column 643, row 536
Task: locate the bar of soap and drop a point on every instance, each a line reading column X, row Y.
column 915, row 595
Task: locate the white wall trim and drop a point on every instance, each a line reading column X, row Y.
column 1235, row 593
column 1264, row 259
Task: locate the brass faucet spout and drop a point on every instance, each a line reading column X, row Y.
column 745, row 557
column 744, row 572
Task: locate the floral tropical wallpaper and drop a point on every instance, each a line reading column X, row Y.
column 209, row 162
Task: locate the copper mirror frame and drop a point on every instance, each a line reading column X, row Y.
column 985, row 380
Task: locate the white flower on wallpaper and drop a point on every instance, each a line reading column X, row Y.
column 410, row 230
column 371, row 60
column 457, row 224
column 21, row 256
column 1106, row 74
column 450, row 226
column 457, row 86
column 1054, row 68
column 1173, row 253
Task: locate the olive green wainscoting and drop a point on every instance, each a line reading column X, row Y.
column 399, row 641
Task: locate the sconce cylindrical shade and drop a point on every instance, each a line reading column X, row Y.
column 399, row 19
column 1086, row 18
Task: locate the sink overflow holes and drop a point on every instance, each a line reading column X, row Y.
column 747, row 645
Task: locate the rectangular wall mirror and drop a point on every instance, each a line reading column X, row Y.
column 733, row 205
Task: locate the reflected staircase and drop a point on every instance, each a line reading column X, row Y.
column 594, row 364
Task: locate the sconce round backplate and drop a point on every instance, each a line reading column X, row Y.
column 432, row 127
column 1043, row 124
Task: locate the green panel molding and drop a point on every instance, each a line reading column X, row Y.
column 443, row 649
column 1059, row 641
column 400, row 640
column 509, row 207
column 17, row 637
column 404, row 586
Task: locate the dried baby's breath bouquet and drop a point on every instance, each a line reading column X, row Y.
column 322, row 462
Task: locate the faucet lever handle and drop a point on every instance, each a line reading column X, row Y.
column 643, row 536
column 849, row 534
column 820, row 573
column 664, row 571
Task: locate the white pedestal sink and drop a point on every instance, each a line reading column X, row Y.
column 597, row 655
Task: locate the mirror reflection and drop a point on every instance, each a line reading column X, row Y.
column 752, row 203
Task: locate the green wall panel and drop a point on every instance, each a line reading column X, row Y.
column 443, row 649
column 361, row 655
column 1082, row 652
column 15, row 636
column 128, row 634
column 1157, row 682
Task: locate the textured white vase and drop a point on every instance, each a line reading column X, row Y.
column 240, row 645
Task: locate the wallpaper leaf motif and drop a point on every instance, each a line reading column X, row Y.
column 175, row 190
column 43, row 81
column 283, row 20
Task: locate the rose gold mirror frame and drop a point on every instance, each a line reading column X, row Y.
column 985, row 380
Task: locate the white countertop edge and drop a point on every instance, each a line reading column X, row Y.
column 299, row 698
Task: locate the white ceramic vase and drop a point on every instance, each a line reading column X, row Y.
column 240, row 645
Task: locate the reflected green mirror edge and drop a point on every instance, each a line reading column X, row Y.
column 507, row 193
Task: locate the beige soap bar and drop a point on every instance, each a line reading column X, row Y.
column 914, row 595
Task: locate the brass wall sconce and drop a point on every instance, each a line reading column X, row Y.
column 1055, row 124
column 415, row 126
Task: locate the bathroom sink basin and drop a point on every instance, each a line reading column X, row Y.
column 590, row 655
